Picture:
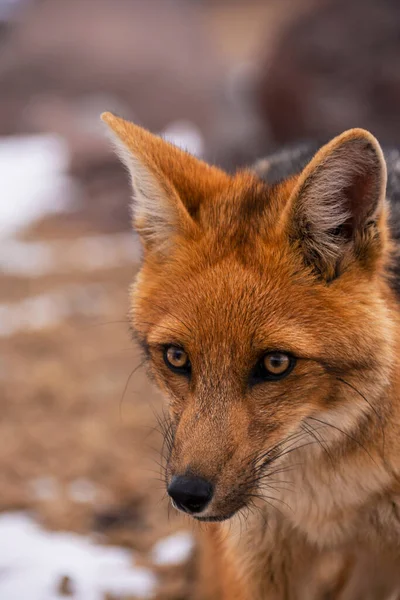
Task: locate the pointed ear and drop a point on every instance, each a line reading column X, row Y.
column 168, row 184
column 337, row 209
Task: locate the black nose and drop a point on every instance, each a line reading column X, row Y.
column 191, row 494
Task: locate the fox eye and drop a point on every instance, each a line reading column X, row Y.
column 273, row 366
column 276, row 363
column 177, row 359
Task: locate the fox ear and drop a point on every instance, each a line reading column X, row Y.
column 338, row 205
column 168, row 184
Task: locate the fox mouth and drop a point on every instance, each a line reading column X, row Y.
column 214, row 519
column 205, row 519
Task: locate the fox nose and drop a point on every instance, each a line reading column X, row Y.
column 190, row 494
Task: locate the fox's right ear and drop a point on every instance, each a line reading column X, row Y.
column 168, row 184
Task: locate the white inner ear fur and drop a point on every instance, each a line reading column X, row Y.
column 154, row 207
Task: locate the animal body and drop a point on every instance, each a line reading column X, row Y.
column 267, row 307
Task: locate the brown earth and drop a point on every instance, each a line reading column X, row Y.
column 80, row 446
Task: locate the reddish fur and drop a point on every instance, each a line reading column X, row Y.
column 237, row 280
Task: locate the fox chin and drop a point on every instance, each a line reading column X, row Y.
column 267, row 308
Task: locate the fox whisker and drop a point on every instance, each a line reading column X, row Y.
column 346, row 434
column 377, row 414
column 322, row 442
column 132, row 373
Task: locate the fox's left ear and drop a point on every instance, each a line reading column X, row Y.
column 337, row 209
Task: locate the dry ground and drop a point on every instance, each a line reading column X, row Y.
column 79, row 446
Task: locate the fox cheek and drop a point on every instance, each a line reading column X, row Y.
column 337, row 209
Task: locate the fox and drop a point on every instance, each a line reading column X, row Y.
column 267, row 309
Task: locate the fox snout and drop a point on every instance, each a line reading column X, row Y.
column 208, row 469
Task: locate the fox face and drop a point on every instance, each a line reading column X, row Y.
column 263, row 312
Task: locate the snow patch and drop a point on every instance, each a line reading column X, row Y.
column 33, row 180
column 34, row 561
column 44, row 488
column 185, row 135
column 174, row 549
column 48, row 310
column 36, row 259
column 82, row 491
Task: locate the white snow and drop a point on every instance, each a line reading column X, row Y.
column 82, row 491
column 44, row 488
column 174, row 549
column 33, row 180
column 35, row 259
column 185, row 135
column 47, row 310
column 33, row 562
column 22, row 258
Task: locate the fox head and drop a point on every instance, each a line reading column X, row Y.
column 261, row 309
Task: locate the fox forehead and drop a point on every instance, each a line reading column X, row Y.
column 230, row 307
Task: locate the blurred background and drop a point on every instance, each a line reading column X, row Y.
column 82, row 512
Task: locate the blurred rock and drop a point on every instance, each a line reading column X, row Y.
column 333, row 69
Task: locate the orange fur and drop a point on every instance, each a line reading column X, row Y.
column 234, row 268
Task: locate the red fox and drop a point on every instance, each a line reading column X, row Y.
column 267, row 309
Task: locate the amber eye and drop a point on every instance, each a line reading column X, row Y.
column 176, row 359
column 276, row 363
column 273, row 366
